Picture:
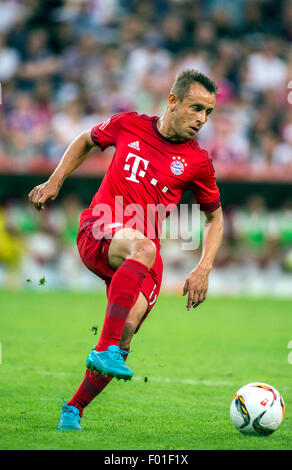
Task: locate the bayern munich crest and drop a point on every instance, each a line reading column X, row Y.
column 177, row 166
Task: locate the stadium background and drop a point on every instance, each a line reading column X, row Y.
column 67, row 65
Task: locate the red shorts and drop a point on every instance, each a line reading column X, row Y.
column 94, row 254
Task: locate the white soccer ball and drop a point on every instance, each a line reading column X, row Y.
column 257, row 408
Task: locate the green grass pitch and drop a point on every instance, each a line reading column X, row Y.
column 187, row 367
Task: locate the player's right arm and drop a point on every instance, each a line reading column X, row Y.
column 74, row 156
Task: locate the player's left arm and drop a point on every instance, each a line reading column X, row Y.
column 73, row 157
column 196, row 285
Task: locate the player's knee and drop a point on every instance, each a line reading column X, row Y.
column 145, row 252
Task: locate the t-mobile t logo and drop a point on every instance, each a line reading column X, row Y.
column 137, row 162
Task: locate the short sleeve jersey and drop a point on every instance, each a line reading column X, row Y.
column 149, row 171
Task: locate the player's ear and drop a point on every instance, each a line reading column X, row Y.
column 172, row 101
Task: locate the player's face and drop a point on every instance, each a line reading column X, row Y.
column 189, row 115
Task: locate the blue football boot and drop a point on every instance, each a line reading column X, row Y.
column 69, row 418
column 110, row 362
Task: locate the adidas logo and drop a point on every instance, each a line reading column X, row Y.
column 134, row 145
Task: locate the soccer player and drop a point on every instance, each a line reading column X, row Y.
column 156, row 160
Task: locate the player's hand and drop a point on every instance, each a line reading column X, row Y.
column 196, row 286
column 44, row 192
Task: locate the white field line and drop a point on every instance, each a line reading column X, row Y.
column 144, row 379
column 161, row 380
column 184, row 381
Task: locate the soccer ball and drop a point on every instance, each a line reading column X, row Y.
column 257, row 408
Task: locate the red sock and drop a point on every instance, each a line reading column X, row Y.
column 91, row 386
column 123, row 292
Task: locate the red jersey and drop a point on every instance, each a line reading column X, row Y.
column 148, row 174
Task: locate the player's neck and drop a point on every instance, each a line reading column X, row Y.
column 165, row 128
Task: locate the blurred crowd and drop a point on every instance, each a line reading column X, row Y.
column 66, row 65
column 39, row 249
